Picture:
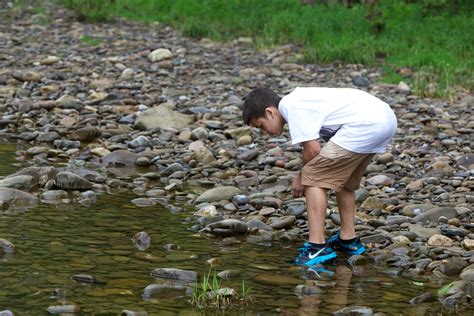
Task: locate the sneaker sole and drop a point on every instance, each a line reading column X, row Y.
column 320, row 259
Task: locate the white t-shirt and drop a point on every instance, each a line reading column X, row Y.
column 351, row 118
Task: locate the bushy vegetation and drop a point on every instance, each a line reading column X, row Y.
column 433, row 38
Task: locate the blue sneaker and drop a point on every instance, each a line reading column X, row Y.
column 354, row 248
column 309, row 255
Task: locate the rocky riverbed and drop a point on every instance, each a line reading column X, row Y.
column 102, row 108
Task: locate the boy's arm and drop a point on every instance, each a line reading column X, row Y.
column 311, row 149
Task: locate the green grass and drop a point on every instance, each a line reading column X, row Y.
column 436, row 44
column 206, row 294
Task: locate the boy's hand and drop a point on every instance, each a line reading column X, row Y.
column 297, row 190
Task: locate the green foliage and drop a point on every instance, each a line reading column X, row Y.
column 209, row 294
column 90, row 41
column 432, row 37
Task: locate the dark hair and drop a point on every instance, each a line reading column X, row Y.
column 257, row 101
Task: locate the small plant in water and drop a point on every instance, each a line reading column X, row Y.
column 209, row 294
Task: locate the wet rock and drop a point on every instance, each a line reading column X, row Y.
column 6, row 313
column 6, row 246
column 165, row 291
column 174, row 274
column 218, row 193
column 423, row 298
column 84, row 278
column 357, row 260
column 162, row 116
column 277, row 280
column 54, row 195
column 16, row 197
column 127, row 312
column 452, row 266
column 304, row 290
column 227, row 227
column 120, row 158
column 70, row 181
column 64, row 309
column 141, row 240
column 354, row 310
column 20, row 182
column 229, row 274
column 89, row 175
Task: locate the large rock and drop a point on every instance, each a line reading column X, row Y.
column 16, row 197
column 21, row 182
column 159, row 54
column 162, row 116
column 217, row 194
column 85, row 134
column 37, row 172
column 120, row 158
column 226, row 227
column 175, row 274
column 70, row 181
column 434, row 214
column 6, row 246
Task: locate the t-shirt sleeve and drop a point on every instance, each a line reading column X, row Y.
column 304, row 124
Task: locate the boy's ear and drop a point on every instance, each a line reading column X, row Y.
column 270, row 111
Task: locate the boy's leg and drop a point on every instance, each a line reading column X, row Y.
column 346, row 203
column 316, row 204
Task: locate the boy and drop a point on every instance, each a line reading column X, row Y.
column 355, row 125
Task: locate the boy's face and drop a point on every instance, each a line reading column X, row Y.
column 271, row 124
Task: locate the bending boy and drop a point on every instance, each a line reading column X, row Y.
column 355, row 125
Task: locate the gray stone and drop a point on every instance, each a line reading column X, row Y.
column 20, row 182
column 162, row 116
column 283, row 222
column 434, row 214
column 218, row 193
column 174, row 274
column 14, row 197
column 304, row 290
column 227, row 227
column 140, row 142
column 85, row 134
column 354, row 310
column 165, row 291
column 64, row 309
column 70, row 181
column 360, row 81
column 6, row 246
column 120, row 158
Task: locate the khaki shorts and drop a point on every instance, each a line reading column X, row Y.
column 335, row 168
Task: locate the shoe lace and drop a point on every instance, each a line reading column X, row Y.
column 305, row 249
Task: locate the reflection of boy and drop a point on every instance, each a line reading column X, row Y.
column 355, row 124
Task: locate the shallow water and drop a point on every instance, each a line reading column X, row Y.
column 55, row 242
